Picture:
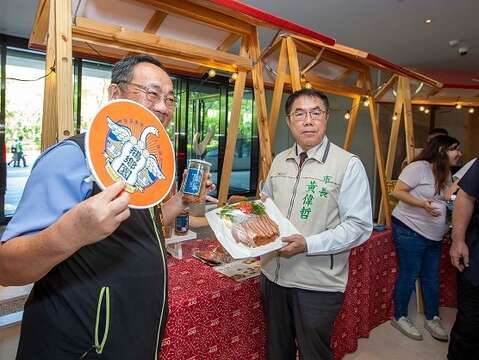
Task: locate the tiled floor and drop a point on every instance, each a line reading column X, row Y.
column 385, row 342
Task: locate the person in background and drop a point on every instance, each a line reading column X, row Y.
column 464, row 254
column 324, row 191
column 432, row 133
column 19, row 153
column 240, row 143
column 419, row 223
column 13, row 150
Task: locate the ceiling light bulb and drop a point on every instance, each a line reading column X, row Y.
column 234, row 76
column 366, row 102
column 308, row 85
column 347, row 116
column 422, row 108
column 426, row 111
column 428, row 21
column 395, row 116
column 471, row 110
column 458, row 106
column 211, row 73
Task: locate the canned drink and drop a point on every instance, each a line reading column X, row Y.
column 194, row 185
column 182, row 223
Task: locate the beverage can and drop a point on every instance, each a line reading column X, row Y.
column 182, row 223
column 194, row 183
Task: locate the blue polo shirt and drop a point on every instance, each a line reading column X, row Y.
column 59, row 180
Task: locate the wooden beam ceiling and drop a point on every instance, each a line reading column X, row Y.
column 200, row 14
column 155, row 22
column 120, row 38
column 334, row 87
column 40, row 23
column 330, row 57
column 224, row 46
column 385, row 88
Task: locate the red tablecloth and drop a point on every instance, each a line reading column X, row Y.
column 213, row 317
column 369, row 294
column 210, row 315
column 447, row 280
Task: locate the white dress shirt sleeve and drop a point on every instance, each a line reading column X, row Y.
column 355, row 214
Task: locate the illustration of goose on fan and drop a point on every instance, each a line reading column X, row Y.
column 129, row 157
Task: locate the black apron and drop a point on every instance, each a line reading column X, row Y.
column 106, row 301
column 471, row 273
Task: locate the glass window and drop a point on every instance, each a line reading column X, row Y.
column 204, row 107
column 24, row 107
column 94, row 90
column 240, row 182
column 204, row 112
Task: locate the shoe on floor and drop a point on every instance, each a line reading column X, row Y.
column 404, row 325
column 436, row 329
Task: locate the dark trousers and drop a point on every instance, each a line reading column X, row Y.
column 464, row 340
column 298, row 319
column 418, row 257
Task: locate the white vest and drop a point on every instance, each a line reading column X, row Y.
column 309, row 198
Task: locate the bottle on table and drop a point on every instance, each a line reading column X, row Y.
column 182, row 223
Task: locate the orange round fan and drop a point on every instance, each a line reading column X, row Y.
column 126, row 142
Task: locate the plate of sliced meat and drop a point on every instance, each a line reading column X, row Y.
column 250, row 228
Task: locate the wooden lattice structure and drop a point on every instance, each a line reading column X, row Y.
column 405, row 93
column 188, row 36
column 340, row 70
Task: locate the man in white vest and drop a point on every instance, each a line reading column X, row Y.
column 324, row 191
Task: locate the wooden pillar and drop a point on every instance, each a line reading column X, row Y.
column 278, row 91
column 348, row 139
column 50, row 115
column 408, row 121
column 294, row 71
column 378, row 150
column 63, row 65
column 393, row 138
column 260, row 101
column 410, row 153
column 232, row 133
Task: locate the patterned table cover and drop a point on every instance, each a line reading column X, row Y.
column 447, row 280
column 213, row 317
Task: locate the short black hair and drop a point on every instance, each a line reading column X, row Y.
column 438, row 131
column 305, row 92
column 123, row 70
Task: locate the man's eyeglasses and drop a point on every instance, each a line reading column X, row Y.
column 301, row 115
column 154, row 96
